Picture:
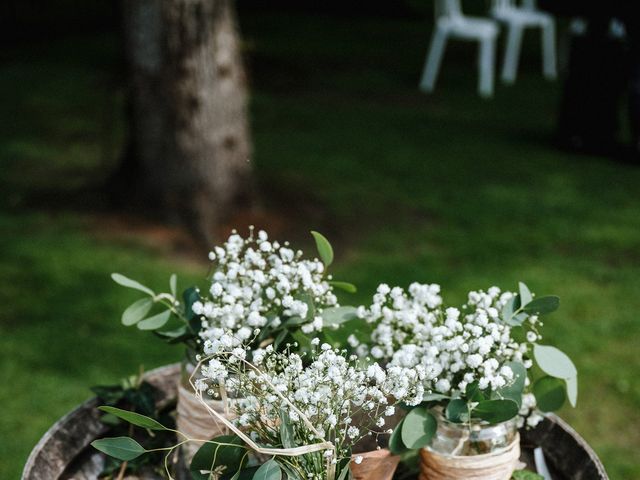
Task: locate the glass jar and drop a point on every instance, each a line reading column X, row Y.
column 476, row 438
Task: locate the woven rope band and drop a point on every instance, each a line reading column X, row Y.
column 195, row 421
column 498, row 465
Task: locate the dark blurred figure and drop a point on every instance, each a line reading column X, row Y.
column 603, row 64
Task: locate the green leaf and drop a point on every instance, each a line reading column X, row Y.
column 171, row 335
column 286, row 429
column 554, row 362
column 418, row 428
column 324, row 248
column 280, row 338
column 434, row 397
column 344, row 472
column 155, row 322
column 345, row 286
column 127, row 282
column 334, row 316
column 395, row 441
column 572, row 390
column 515, row 389
column 525, row 294
column 311, row 307
column 269, row 470
column 122, row 448
column 244, row 474
column 542, row 305
column 136, row 311
column 474, row 394
column 457, row 411
column 510, row 308
column 173, row 285
column 550, row 393
column 496, row 411
column 304, row 342
column 190, row 296
column 134, row 418
column 526, row 475
column 338, row 335
column 226, row 450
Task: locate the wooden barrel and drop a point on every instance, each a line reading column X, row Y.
column 65, row 453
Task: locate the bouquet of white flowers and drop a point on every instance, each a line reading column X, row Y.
column 477, row 361
column 301, row 421
column 259, row 290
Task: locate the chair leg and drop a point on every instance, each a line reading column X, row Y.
column 486, row 64
column 549, row 62
column 433, row 60
column 512, row 54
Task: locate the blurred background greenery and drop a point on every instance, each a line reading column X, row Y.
column 445, row 188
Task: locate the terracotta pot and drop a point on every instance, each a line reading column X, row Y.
column 375, row 465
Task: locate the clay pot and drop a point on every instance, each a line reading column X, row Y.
column 375, row 465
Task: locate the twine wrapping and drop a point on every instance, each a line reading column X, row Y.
column 194, row 421
column 375, row 465
column 498, row 465
column 288, row 452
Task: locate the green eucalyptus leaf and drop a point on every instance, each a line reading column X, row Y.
column 129, row 283
column 510, row 308
column 554, row 362
column 311, row 307
column 280, row 338
column 243, row 474
column 434, row 397
column 344, row 472
column 345, row 286
column 572, row 390
column 525, row 294
column 304, row 341
column 457, row 411
column 418, row 428
column 227, row 450
column 496, row 411
column 514, row 390
column 395, row 440
column 173, row 285
column 270, row 470
column 134, row 418
column 334, row 316
column 190, row 296
column 155, row 322
column 171, row 335
column 136, row 311
column 473, row 393
column 324, row 248
column 122, row 448
column 286, row 429
column 542, row 305
column 550, row 393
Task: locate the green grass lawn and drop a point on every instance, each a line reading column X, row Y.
column 445, row 188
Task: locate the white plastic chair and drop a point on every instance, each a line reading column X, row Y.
column 517, row 18
column 450, row 22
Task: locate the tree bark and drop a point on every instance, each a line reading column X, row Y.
column 189, row 147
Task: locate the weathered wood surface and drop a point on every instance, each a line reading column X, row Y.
column 64, row 452
column 57, row 454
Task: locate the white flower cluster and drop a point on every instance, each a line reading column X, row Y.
column 257, row 284
column 341, row 399
column 453, row 348
column 401, row 319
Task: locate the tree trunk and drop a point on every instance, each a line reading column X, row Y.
column 189, row 147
